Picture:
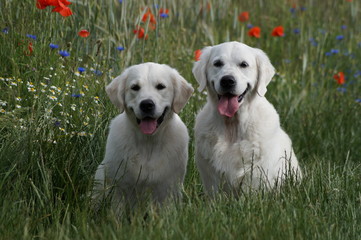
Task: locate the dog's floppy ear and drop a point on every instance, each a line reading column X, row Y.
column 199, row 68
column 182, row 91
column 265, row 72
column 115, row 90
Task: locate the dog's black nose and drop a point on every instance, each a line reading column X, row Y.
column 147, row 106
column 228, row 82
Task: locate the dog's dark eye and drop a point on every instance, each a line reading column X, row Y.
column 160, row 86
column 243, row 64
column 135, row 87
column 218, row 63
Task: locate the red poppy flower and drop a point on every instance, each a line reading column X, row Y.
column 243, row 17
column 197, row 54
column 140, row 33
column 278, row 31
column 152, row 21
column 84, row 33
column 60, row 6
column 340, row 78
column 163, row 11
column 255, row 32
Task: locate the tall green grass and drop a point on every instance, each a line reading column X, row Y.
column 53, row 119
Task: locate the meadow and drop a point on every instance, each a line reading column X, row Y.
column 54, row 115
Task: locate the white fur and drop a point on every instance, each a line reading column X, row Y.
column 250, row 149
column 136, row 164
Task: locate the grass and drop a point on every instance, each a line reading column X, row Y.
column 53, row 119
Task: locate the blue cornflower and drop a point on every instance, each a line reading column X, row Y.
column 296, row 31
column 341, row 89
column 286, row 61
column 328, row 54
column 53, row 46
column 335, row 51
column 31, row 36
column 120, row 48
column 57, row 123
column 97, row 72
column 340, row 37
column 343, row 27
column 163, row 15
column 5, row 30
column 357, row 73
column 358, row 100
column 302, row 8
column 64, row 53
column 293, row 10
column 313, row 42
column 81, row 69
column 251, row 26
column 120, row 1
column 76, row 95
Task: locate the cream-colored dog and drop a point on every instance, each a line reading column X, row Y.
column 239, row 141
column 147, row 147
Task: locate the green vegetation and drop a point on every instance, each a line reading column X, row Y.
column 54, row 117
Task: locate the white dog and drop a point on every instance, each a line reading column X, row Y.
column 147, row 147
column 239, row 141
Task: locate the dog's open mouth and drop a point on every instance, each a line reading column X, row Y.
column 228, row 104
column 149, row 125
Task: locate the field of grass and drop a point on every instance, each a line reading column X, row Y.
column 54, row 116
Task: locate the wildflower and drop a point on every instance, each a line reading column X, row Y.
column 358, row 100
column 341, row 90
column 31, row 36
column 53, row 98
column 140, row 33
column 31, row 89
column 149, row 15
column 243, row 16
column 249, row 26
column 197, row 54
column 302, row 8
column 17, row 106
column 30, row 49
column 76, row 95
column 335, row 51
column 293, row 10
column 313, row 42
column 81, row 69
column 278, row 32
column 343, row 27
column 163, row 12
column 60, row 6
column 64, row 53
column 340, row 37
column 120, row 48
column 97, row 72
column 255, row 32
column 53, row 46
column 120, row 1
column 84, row 33
column 2, row 110
column 296, row 31
column 5, row 30
column 340, row 78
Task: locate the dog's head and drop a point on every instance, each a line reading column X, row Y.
column 231, row 71
column 149, row 92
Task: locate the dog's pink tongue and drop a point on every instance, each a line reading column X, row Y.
column 228, row 105
column 148, row 126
